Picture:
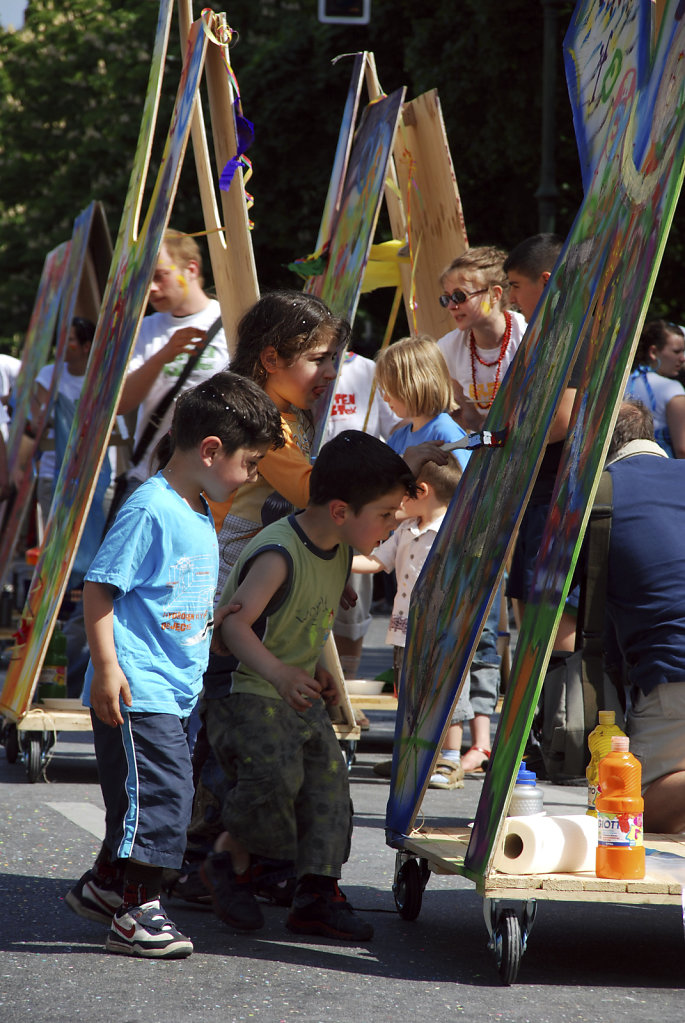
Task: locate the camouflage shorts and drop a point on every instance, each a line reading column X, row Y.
column 288, row 793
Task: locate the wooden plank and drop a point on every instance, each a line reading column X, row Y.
column 228, row 234
column 432, row 207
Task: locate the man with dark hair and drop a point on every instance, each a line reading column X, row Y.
column 646, row 606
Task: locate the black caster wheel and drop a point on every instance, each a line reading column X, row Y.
column 508, row 946
column 408, row 890
column 11, row 744
column 33, row 752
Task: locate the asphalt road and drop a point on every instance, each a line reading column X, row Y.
column 585, row 962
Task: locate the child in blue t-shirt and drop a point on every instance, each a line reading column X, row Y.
column 413, row 377
column 148, row 599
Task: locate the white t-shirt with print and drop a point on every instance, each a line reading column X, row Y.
column 351, row 401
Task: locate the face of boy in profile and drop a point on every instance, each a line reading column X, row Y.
column 373, row 523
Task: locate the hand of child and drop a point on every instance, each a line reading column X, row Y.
column 297, row 688
column 217, row 646
column 108, row 684
column 348, row 598
column 329, row 690
column 429, row 451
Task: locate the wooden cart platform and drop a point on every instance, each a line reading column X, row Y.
column 444, row 851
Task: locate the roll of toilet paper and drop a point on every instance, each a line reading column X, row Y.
column 547, row 845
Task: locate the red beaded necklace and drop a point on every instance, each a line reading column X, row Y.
column 496, row 362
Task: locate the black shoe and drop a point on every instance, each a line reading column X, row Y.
column 328, row 914
column 96, row 898
column 232, row 898
column 188, row 885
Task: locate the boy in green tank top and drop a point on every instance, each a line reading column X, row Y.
column 266, row 718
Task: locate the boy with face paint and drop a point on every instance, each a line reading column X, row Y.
column 183, row 315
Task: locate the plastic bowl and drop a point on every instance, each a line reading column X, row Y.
column 364, row 686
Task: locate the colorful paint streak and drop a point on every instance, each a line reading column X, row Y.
column 350, row 243
column 35, row 352
column 631, row 136
column 123, row 306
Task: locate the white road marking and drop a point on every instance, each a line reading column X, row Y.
column 89, row 817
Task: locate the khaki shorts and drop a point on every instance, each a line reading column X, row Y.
column 656, row 727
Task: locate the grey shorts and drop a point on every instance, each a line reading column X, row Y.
column 288, row 794
column 656, row 726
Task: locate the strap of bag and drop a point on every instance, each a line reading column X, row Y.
column 594, row 602
column 166, row 400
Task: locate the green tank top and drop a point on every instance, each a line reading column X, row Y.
column 296, row 624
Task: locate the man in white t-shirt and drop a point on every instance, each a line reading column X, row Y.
column 183, row 315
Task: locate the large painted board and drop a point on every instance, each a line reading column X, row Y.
column 123, row 306
column 39, row 338
column 597, row 294
column 634, row 178
column 350, row 243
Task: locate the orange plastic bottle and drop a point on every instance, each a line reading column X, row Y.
column 620, row 849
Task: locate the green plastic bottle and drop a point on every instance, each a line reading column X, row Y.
column 52, row 681
column 599, row 743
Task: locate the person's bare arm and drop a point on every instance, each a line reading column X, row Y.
column 109, row 682
column 562, row 419
column 265, row 575
column 138, row 383
column 675, row 418
column 366, row 564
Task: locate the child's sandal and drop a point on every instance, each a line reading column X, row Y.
column 483, row 766
column 446, row 775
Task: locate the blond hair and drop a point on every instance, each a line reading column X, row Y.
column 484, row 265
column 414, row 370
column 183, row 250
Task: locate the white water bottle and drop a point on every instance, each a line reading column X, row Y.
column 526, row 799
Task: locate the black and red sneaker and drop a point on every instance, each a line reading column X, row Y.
column 232, row 898
column 327, row 912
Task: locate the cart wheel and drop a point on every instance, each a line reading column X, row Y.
column 408, row 890
column 508, row 946
column 33, row 752
column 11, row 744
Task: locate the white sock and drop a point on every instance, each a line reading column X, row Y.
column 451, row 754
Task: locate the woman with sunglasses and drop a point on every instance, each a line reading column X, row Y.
column 486, row 337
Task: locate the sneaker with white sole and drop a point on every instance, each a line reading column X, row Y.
column 96, row 898
column 147, row 933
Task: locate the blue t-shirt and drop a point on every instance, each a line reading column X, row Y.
column 646, row 577
column 162, row 560
column 442, row 429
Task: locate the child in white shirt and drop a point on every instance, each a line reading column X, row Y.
column 406, row 551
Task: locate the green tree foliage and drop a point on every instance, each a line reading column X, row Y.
column 73, row 81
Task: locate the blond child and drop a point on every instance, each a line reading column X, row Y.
column 413, row 377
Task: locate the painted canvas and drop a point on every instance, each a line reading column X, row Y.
column 596, row 298
column 123, row 306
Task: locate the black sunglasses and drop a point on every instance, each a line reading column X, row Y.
column 459, row 297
